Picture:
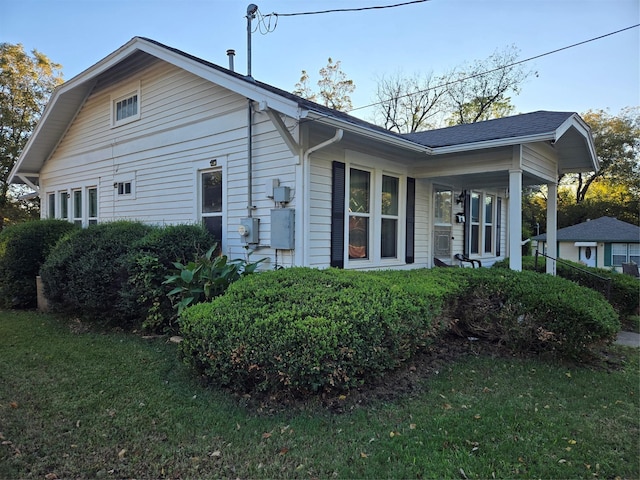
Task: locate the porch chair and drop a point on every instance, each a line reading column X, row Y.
column 439, row 263
column 463, row 258
column 631, row 269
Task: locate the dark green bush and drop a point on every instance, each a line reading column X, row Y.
column 531, row 312
column 304, row 330
column 23, row 249
column 86, row 271
column 623, row 291
column 148, row 265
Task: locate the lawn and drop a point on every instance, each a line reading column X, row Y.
column 80, row 404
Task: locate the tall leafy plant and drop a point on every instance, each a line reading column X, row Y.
column 206, row 277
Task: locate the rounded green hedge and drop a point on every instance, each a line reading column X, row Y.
column 86, row 271
column 150, row 262
column 304, row 330
column 623, row 290
column 23, row 249
column 527, row 311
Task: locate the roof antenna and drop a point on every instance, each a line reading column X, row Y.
column 251, row 14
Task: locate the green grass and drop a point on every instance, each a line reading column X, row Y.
column 98, row 405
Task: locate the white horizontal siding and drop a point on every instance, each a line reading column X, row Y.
column 540, row 160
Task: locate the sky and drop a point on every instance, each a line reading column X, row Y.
column 433, row 36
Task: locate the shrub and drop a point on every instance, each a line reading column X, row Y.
column 532, row 312
column 148, row 265
column 623, row 291
column 23, row 249
column 86, row 271
column 303, row 330
column 206, row 277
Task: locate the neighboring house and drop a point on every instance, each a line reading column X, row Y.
column 154, row 134
column 604, row 242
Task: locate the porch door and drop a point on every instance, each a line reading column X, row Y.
column 442, row 217
column 588, row 256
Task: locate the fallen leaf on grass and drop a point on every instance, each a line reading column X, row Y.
column 216, row 454
column 122, row 453
column 13, row 404
column 51, row 476
column 363, row 455
column 266, row 435
column 283, row 451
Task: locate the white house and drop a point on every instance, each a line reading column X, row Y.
column 605, row 242
column 154, row 134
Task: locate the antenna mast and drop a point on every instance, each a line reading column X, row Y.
column 251, row 14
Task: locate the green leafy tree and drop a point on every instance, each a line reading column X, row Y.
column 617, row 143
column 334, row 87
column 26, row 83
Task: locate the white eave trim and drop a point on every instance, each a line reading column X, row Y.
column 369, row 133
column 500, row 142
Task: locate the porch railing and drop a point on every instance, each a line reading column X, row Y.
column 606, row 281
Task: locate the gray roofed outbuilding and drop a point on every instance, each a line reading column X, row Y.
column 603, row 229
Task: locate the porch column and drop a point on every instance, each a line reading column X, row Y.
column 552, row 226
column 515, row 220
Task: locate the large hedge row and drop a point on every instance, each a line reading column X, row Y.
column 623, row 291
column 113, row 272
column 304, row 330
column 23, row 249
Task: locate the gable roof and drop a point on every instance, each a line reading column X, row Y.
column 603, row 229
column 570, row 134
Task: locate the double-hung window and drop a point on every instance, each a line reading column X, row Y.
column 625, row 253
column 390, row 216
column 64, row 205
column 92, row 198
column 482, row 233
column 211, row 206
column 359, row 213
column 77, row 207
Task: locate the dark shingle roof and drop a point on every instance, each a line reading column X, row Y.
column 527, row 124
column 603, row 229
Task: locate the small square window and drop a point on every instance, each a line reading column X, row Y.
column 125, row 106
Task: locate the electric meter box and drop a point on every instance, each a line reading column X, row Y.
column 249, row 229
column 282, row 228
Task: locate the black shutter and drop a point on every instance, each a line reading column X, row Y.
column 498, row 226
column 411, row 221
column 467, row 223
column 337, row 214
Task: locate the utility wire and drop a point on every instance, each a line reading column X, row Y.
column 503, row 67
column 360, row 9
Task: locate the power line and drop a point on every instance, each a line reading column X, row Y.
column 360, row 9
column 503, row 67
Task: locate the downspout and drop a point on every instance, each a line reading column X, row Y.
column 249, row 158
column 306, row 175
column 336, row 138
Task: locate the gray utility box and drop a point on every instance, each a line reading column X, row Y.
column 282, row 228
column 249, row 230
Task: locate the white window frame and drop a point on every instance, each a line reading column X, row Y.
column 221, row 214
column 375, row 216
column 482, row 224
column 92, row 217
column 122, row 95
column 77, row 217
column 63, row 198
column 626, row 250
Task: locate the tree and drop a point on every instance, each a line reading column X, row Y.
column 480, row 91
column 468, row 94
column 334, row 85
column 26, row 83
column 617, row 144
column 410, row 104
